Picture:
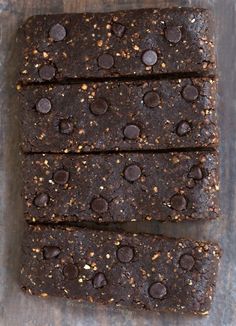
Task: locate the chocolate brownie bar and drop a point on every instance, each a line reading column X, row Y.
column 107, row 116
column 122, row 270
column 121, row 187
column 140, row 42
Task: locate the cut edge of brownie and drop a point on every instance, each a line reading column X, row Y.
column 201, row 256
column 103, row 124
column 208, row 59
column 121, row 187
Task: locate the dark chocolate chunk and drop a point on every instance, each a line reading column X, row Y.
column 44, row 105
column 106, row 61
column 149, row 57
column 70, row 271
column 195, row 173
column 125, row 254
column 187, row 262
column 99, row 106
column 151, row 99
column 173, row 34
column 66, row 127
column 118, row 29
column 190, row 93
column 41, row 200
column 157, row 290
column 99, row 205
column 50, row 252
column 61, row 177
column 57, row 32
column 132, row 173
column 178, row 202
column 183, row 128
column 131, row 132
column 99, row 280
column 47, row 72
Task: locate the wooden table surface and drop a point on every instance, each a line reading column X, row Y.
column 17, row 309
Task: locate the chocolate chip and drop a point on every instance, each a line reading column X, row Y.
column 118, row 29
column 187, row 262
column 125, row 254
column 99, row 205
column 66, row 127
column 47, row 72
column 157, row 290
column 57, row 32
column 70, row 271
column 173, row 34
column 43, row 105
column 151, row 99
column 99, row 106
column 183, row 128
column 195, row 173
column 190, row 93
column 149, row 57
column 61, row 177
column 106, row 61
column 41, row 200
column 131, row 132
column 132, row 172
column 51, row 252
column 99, row 280
column 178, row 202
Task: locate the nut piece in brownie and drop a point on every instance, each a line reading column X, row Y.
column 121, row 187
column 126, row 43
column 122, row 270
column 178, row 113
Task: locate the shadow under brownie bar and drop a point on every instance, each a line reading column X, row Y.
column 163, row 114
column 124, row 270
column 126, row 43
column 121, row 187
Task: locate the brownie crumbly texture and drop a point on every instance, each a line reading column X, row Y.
column 119, row 116
column 121, row 187
column 125, row 43
column 123, row 270
column 119, row 124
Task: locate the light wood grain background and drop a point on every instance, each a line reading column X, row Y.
column 17, row 309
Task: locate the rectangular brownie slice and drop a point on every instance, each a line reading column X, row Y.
column 140, row 42
column 121, row 187
column 123, row 270
column 138, row 115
